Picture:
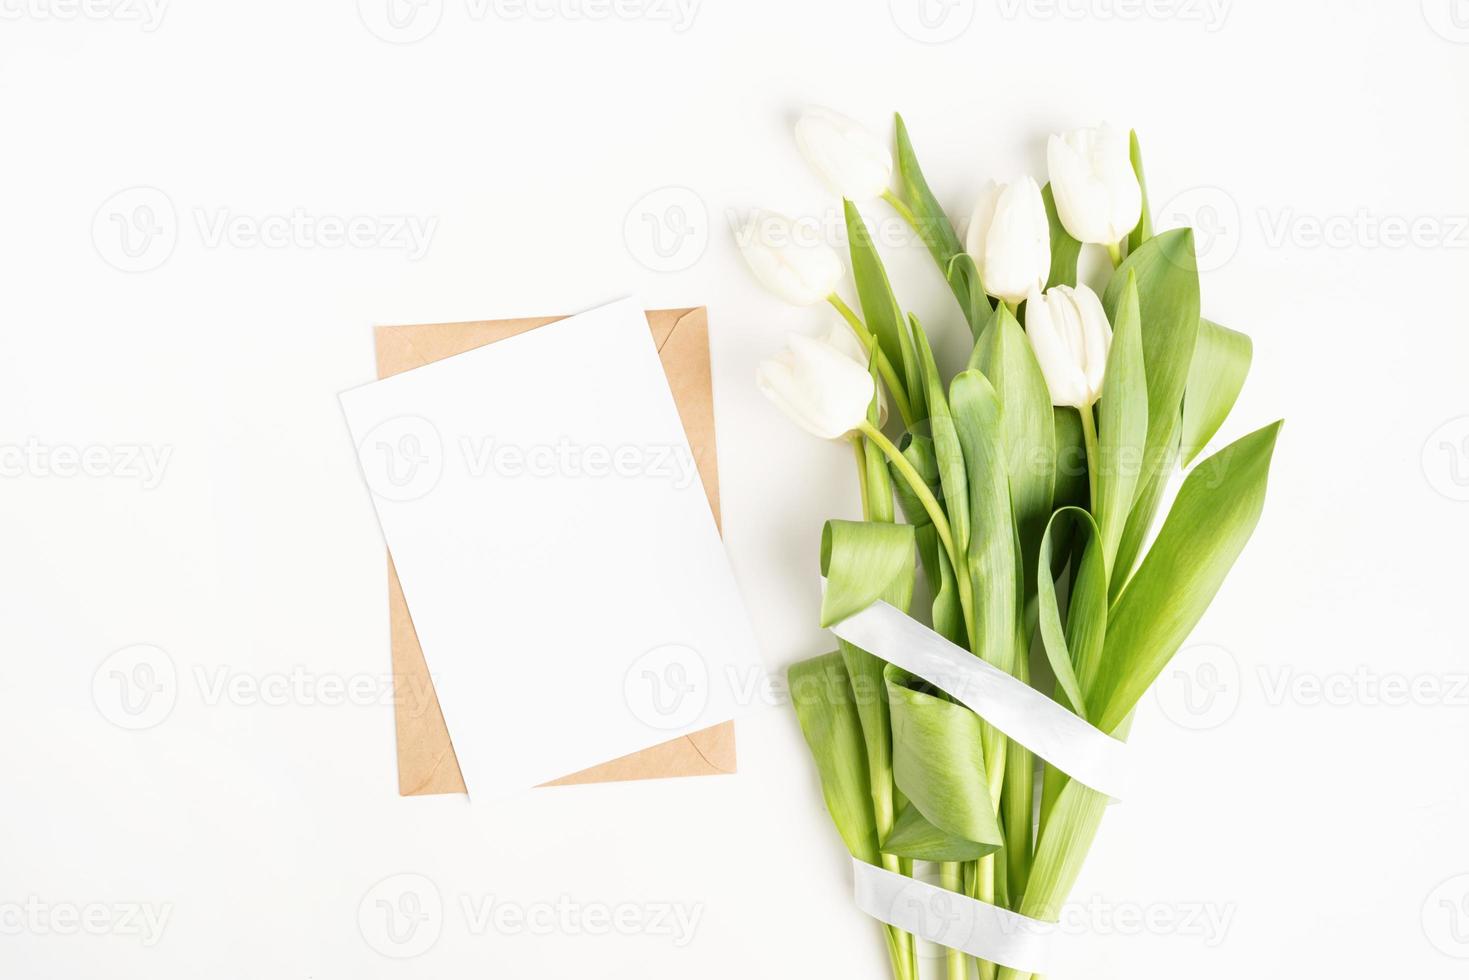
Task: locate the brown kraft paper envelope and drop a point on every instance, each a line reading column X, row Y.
column 426, row 761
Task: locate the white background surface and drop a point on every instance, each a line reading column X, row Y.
column 1327, row 829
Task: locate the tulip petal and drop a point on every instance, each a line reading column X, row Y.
column 980, row 220
column 1096, row 336
column 1066, row 382
column 819, row 387
column 1017, row 249
column 798, row 268
column 846, row 155
column 1096, row 190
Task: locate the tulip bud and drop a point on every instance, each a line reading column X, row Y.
column 1098, row 198
column 821, row 388
column 840, row 336
column 1009, row 239
column 852, row 161
column 1070, row 335
column 799, row 272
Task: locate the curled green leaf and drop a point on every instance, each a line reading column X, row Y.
column 939, row 766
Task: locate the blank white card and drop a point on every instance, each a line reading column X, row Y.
column 563, row 570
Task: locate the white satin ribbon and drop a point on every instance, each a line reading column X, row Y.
column 956, row 921
column 1086, row 754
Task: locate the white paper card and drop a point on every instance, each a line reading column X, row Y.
column 556, row 549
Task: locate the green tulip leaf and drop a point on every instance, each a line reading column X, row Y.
column 914, row 837
column 1065, row 250
column 1070, row 826
column 968, row 287
column 1027, row 427
column 1144, row 229
column 1213, row 516
column 939, row 766
column 879, row 484
column 880, row 307
column 1059, row 654
column 948, row 614
column 826, row 709
column 992, row 566
column 933, row 224
column 993, row 551
column 947, row 452
column 1123, row 412
column 864, row 561
column 1221, row 361
column 1071, row 489
column 1168, row 302
column 937, row 232
column 918, row 450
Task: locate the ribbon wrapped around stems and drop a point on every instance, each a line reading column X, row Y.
column 1085, row 753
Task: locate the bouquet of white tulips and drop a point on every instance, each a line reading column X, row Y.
column 1026, row 490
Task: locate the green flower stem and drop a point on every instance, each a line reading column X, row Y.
column 901, row 948
column 951, row 879
column 1093, row 453
column 861, row 454
column 985, row 870
column 951, row 873
column 935, row 514
column 901, row 952
column 871, row 347
column 896, row 203
column 1114, row 252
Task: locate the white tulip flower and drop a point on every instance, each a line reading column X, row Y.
column 1070, row 335
column 840, row 336
column 850, row 158
column 1009, row 239
column 821, row 388
column 1098, row 198
column 797, row 266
